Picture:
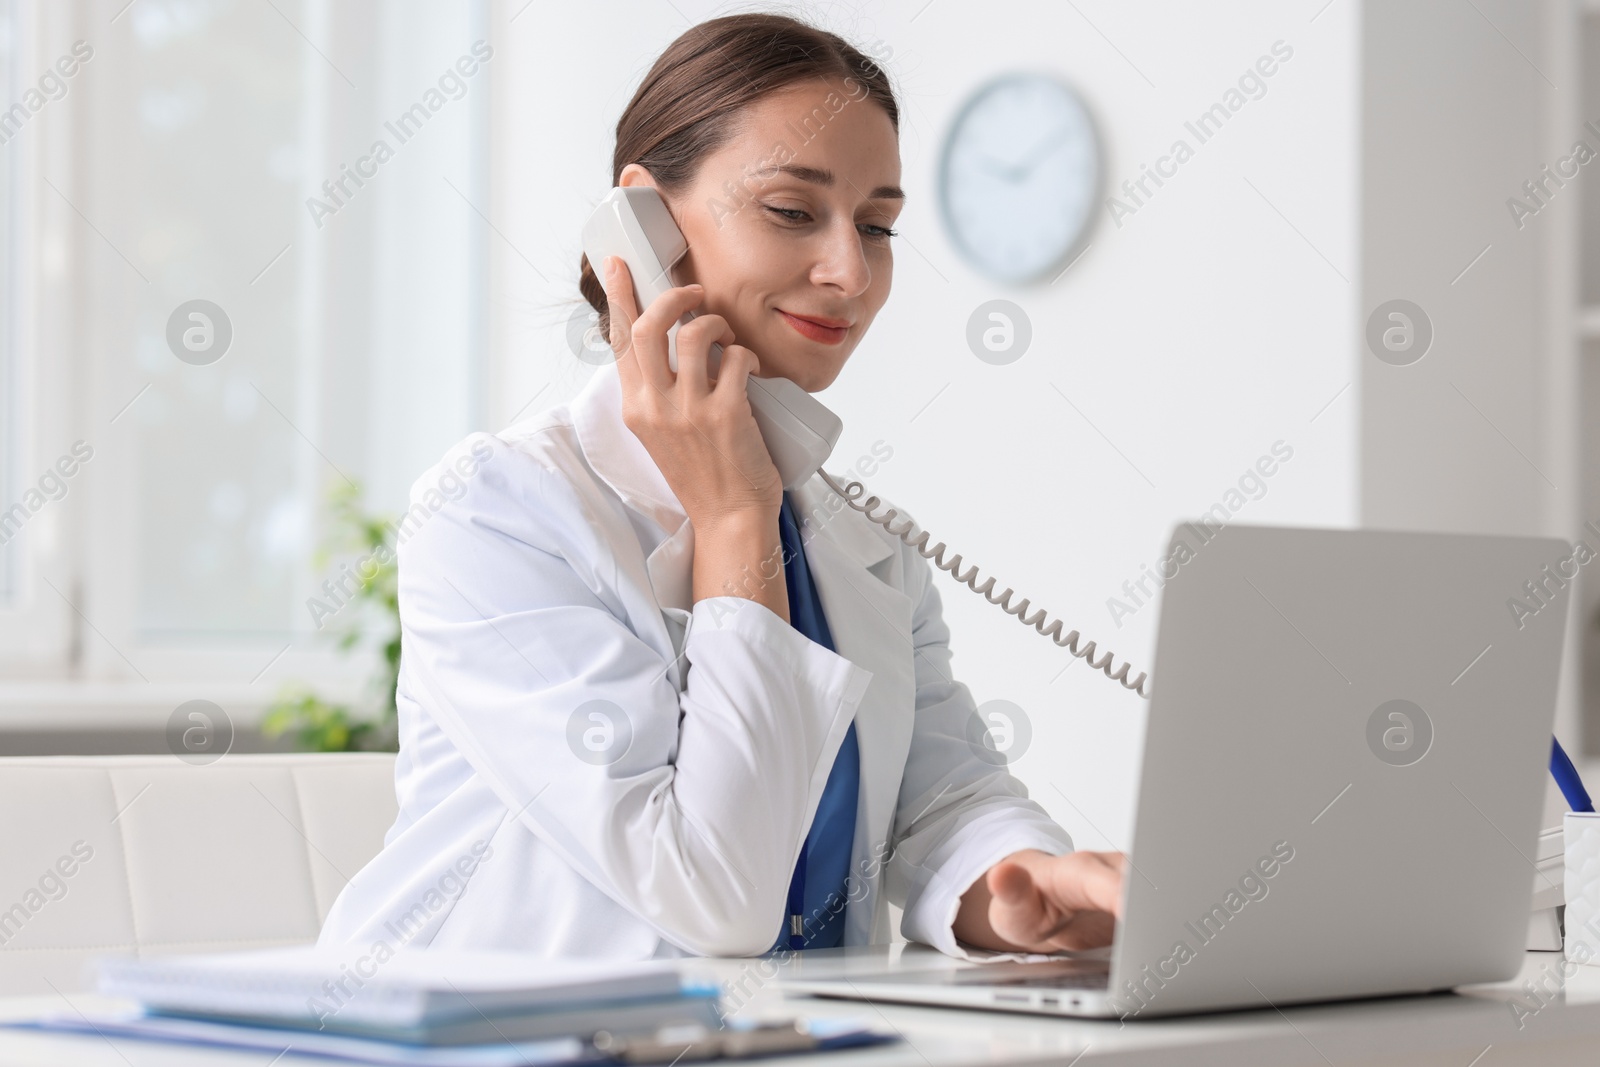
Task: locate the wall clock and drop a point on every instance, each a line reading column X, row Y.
column 1019, row 177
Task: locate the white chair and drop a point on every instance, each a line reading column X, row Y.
column 148, row 854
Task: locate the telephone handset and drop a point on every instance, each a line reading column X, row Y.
column 633, row 222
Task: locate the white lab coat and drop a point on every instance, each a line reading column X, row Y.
column 560, row 575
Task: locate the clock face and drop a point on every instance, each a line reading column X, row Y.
column 1019, row 177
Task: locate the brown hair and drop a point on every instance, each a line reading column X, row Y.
column 688, row 104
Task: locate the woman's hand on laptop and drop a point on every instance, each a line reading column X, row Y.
column 1032, row 901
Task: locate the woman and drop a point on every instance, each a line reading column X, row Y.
column 623, row 733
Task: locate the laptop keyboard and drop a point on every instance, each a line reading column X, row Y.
column 1085, row 980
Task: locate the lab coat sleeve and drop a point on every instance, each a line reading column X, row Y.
column 957, row 814
column 688, row 809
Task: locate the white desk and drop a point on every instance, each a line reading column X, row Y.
column 1474, row 1029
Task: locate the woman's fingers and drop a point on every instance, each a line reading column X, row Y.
column 1018, row 910
column 640, row 338
column 1069, row 901
column 1091, row 880
column 738, row 363
column 622, row 310
column 694, row 346
column 620, row 304
column 1084, row 930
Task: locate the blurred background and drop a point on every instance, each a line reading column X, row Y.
column 224, row 360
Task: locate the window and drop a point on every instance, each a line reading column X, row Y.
column 240, row 323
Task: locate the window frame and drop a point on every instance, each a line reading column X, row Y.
column 36, row 623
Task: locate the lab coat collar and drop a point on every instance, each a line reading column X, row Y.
column 622, row 462
column 619, row 457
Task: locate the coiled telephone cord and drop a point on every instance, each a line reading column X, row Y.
column 852, row 494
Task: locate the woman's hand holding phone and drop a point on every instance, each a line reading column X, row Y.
column 702, row 435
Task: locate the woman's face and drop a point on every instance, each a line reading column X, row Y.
column 782, row 228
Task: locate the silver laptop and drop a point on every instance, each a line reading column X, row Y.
column 1343, row 778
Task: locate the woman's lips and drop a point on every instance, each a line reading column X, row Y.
column 828, row 335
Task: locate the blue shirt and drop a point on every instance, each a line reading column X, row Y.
column 819, row 889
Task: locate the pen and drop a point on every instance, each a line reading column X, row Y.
column 1566, row 776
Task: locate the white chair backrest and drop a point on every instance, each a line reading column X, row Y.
column 148, row 854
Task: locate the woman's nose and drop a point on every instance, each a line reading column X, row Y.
column 843, row 262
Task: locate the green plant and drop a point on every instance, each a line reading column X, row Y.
column 369, row 618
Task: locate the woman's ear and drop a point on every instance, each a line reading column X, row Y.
column 634, row 174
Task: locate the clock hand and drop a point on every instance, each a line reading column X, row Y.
column 995, row 166
column 1039, row 154
column 1014, row 172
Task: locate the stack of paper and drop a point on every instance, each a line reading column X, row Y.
column 1549, row 890
column 1549, row 893
column 421, row 997
column 427, row 1007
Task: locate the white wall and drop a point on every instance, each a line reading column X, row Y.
column 1215, row 321
column 1480, row 435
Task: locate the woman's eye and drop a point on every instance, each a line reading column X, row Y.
column 794, row 214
